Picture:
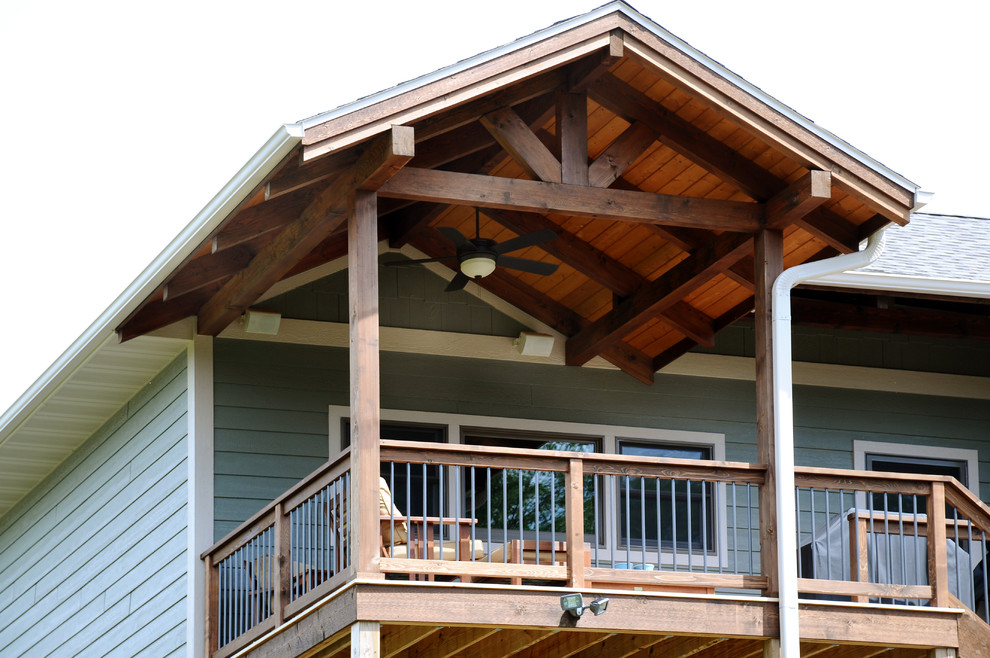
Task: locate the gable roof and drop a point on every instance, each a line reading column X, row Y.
column 663, row 122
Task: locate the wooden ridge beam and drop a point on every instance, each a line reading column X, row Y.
column 509, row 130
column 798, row 199
column 381, row 160
column 658, row 296
column 537, row 196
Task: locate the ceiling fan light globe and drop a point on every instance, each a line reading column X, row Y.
column 477, row 267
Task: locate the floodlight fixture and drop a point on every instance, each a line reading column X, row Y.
column 574, row 604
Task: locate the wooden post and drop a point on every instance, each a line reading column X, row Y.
column 283, row 563
column 574, row 511
column 771, row 648
column 938, row 567
column 362, row 275
column 212, row 606
column 769, row 256
column 572, row 129
column 366, row 638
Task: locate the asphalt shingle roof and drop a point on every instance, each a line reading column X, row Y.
column 946, row 247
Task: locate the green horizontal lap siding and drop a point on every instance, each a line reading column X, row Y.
column 410, row 297
column 273, row 401
column 92, row 561
column 869, row 350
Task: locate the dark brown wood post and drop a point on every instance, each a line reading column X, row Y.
column 362, row 276
column 769, row 256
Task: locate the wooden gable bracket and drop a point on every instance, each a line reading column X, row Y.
column 383, row 158
column 657, row 296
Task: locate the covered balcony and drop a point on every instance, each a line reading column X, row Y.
column 474, row 546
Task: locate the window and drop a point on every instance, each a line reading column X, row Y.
column 925, row 460
column 529, row 502
column 676, row 514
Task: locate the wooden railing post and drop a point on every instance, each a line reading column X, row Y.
column 283, row 563
column 938, row 563
column 212, row 627
column 574, row 516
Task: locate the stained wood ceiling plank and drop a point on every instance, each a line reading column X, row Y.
column 621, row 645
column 563, row 644
column 522, row 145
column 658, row 295
column 537, row 196
column 396, row 639
column 380, row 160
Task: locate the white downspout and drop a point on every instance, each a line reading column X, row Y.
column 783, row 424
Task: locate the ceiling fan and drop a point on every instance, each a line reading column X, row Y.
column 478, row 256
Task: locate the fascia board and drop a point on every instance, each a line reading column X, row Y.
column 248, row 178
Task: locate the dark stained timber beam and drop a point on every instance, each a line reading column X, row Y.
column 798, row 199
column 658, row 296
column 536, row 196
column 522, row 144
column 381, row 160
column 572, row 129
column 620, row 154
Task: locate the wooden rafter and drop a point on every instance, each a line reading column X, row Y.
column 263, row 218
column 658, row 296
column 620, row 154
column 668, row 356
column 515, row 136
column 537, row 196
column 207, row 270
column 382, row 159
column 798, row 199
column 713, row 155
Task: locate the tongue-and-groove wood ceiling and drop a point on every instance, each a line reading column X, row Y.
column 655, row 168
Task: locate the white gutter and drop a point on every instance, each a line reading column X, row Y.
column 783, row 424
column 205, row 222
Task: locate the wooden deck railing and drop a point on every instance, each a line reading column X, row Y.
column 891, row 538
column 584, row 520
column 498, row 515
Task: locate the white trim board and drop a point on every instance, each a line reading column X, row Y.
column 500, row 348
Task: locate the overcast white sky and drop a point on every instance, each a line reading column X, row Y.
column 122, row 119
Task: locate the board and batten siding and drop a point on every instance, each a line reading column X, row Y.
column 93, row 560
column 272, row 411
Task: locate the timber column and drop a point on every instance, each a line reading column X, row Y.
column 769, row 256
column 389, row 153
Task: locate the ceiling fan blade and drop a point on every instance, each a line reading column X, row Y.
column 523, row 241
column 455, row 236
column 527, row 265
column 457, row 283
